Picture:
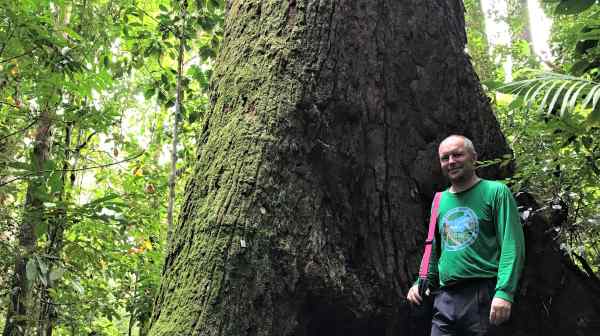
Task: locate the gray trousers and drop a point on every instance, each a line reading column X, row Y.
column 463, row 309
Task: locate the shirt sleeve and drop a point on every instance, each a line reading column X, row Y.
column 512, row 244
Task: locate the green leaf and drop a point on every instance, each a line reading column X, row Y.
column 493, row 84
column 48, row 167
column 193, row 116
column 566, row 90
column 164, row 79
column 567, row 96
column 170, row 102
column 590, row 96
column 569, row 7
column 149, row 92
column 554, row 83
column 516, row 103
column 19, row 165
column 72, row 33
column 579, row 67
column 575, row 96
column 42, row 279
column 31, row 269
column 56, row 273
column 206, row 23
column 206, row 52
column 55, row 182
column 216, row 3
column 41, row 228
column 594, row 117
column 592, row 34
column 538, row 90
column 102, row 199
column 161, row 96
column 77, row 287
column 42, row 265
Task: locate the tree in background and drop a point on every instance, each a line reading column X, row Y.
column 38, row 61
column 87, row 86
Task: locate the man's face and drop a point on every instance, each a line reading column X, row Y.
column 457, row 162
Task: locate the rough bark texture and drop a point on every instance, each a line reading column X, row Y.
column 316, row 166
column 19, row 316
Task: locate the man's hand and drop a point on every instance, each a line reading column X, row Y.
column 500, row 311
column 414, row 296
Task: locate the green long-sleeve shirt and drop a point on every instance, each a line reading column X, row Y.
column 481, row 237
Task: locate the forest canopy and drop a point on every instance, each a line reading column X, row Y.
column 101, row 103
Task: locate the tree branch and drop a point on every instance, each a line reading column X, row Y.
column 12, row 31
column 87, row 139
column 72, row 170
column 21, row 55
column 157, row 21
column 587, row 268
column 176, row 117
column 18, row 131
column 9, row 104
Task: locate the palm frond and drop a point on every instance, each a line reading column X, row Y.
column 558, row 94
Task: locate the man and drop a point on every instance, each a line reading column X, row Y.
column 482, row 247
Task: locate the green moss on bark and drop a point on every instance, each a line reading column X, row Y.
column 303, row 211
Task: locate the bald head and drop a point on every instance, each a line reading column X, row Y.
column 467, row 143
column 457, row 160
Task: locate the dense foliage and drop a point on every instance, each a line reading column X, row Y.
column 551, row 117
column 100, row 77
column 88, row 96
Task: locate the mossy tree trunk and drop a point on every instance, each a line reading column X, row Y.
column 316, row 166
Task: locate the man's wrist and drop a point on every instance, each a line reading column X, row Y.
column 504, row 295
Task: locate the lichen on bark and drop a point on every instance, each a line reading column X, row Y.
column 316, row 165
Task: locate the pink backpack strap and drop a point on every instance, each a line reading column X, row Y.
column 424, row 270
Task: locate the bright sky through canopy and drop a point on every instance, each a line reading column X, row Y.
column 498, row 31
column 540, row 30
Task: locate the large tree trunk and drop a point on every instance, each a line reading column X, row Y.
column 316, row 167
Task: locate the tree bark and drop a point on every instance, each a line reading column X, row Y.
column 176, row 118
column 57, row 223
column 316, row 166
column 20, row 312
